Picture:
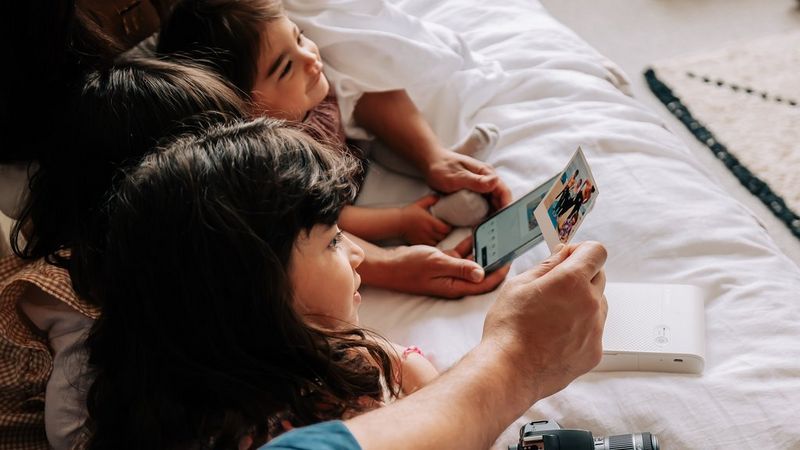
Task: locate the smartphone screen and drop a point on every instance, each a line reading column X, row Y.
column 509, row 232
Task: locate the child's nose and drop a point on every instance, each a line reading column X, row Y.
column 356, row 254
column 309, row 59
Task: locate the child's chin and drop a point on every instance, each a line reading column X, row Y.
column 322, row 88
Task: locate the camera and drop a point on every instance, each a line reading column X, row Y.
column 548, row 435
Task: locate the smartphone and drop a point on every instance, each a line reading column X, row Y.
column 509, row 232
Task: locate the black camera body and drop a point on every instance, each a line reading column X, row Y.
column 548, row 435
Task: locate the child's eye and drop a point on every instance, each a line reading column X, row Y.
column 286, row 70
column 337, row 239
column 300, row 38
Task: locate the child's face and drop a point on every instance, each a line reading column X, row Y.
column 322, row 270
column 289, row 80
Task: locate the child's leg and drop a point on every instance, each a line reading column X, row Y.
column 483, row 137
column 462, row 208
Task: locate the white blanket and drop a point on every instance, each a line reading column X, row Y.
column 661, row 217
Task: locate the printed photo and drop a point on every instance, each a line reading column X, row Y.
column 567, row 202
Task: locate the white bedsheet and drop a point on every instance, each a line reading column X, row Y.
column 659, row 214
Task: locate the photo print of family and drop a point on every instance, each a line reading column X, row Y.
column 567, row 202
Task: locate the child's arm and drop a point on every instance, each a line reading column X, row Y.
column 414, row 223
column 65, row 392
column 394, row 118
column 415, row 370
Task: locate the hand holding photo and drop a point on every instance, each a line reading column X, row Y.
column 567, row 202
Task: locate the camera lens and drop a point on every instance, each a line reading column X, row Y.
column 635, row 441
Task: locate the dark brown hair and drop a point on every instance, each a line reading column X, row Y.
column 117, row 116
column 226, row 34
column 199, row 342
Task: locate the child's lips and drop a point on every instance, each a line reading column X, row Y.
column 356, row 294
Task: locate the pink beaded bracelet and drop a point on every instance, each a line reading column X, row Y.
column 410, row 350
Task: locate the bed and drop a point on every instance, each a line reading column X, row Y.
column 660, row 215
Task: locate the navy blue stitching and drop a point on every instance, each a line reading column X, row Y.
column 755, row 185
column 746, row 89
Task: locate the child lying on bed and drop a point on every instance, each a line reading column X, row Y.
column 258, row 330
column 255, row 46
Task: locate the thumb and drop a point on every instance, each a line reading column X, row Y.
column 427, row 201
column 463, row 269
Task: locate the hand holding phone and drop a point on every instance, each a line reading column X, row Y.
column 552, row 212
column 509, row 232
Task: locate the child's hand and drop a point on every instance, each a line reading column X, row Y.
column 451, row 172
column 418, row 226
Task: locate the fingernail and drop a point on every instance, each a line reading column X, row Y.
column 559, row 247
column 476, row 275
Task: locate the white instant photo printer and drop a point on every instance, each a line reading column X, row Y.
column 654, row 327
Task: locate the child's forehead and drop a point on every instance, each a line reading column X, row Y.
column 279, row 25
column 274, row 32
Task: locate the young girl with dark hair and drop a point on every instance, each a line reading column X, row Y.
column 44, row 321
column 231, row 297
column 253, row 44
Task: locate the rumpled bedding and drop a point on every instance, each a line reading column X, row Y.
column 661, row 215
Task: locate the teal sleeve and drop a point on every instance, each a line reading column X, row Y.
column 322, row 436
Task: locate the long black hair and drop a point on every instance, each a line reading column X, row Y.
column 199, row 343
column 47, row 44
column 116, row 117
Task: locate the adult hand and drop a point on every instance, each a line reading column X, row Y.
column 544, row 329
column 549, row 320
column 420, row 269
column 451, row 172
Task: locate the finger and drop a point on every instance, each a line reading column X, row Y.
column 460, row 268
column 482, row 184
column 427, row 201
column 599, row 280
column 495, row 278
column 425, row 240
column 501, row 196
column 452, row 253
column 587, row 257
column 433, row 232
column 459, row 288
column 476, row 166
column 481, row 179
column 558, row 257
column 463, row 248
column 440, row 226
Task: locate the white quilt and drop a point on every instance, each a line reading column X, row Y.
column 662, row 218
